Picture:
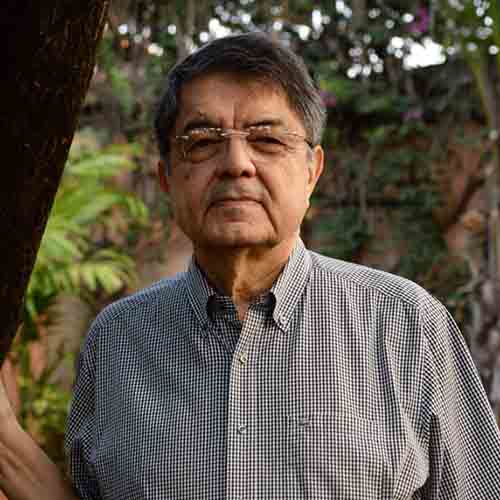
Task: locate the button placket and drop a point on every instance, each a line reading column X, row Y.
column 240, row 407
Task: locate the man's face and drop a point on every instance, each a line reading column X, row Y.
column 236, row 198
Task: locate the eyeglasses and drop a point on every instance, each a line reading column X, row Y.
column 263, row 142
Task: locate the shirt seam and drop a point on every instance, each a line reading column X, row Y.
column 316, row 267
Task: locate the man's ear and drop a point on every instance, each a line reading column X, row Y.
column 315, row 168
column 162, row 176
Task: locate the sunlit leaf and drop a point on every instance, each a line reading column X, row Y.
column 68, row 259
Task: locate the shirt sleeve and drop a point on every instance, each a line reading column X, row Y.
column 462, row 434
column 80, row 430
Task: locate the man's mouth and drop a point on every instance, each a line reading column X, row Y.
column 234, row 200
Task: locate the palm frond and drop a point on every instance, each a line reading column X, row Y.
column 68, row 259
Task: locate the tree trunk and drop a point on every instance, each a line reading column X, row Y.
column 49, row 48
column 358, row 14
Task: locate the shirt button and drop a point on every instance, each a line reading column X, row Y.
column 243, row 359
column 304, row 422
column 242, row 429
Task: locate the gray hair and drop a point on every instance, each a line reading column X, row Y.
column 252, row 54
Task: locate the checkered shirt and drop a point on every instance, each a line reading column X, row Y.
column 342, row 382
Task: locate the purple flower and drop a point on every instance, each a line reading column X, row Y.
column 422, row 21
column 413, row 114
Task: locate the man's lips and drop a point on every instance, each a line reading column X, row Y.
column 232, row 194
column 230, row 200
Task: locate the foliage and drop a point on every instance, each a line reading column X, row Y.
column 44, row 412
column 77, row 256
column 472, row 30
column 349, row 231
column 69, row 258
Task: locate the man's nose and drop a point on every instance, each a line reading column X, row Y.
column 236, row 159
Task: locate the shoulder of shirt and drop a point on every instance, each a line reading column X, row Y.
column 157, row 295
column 380, row 282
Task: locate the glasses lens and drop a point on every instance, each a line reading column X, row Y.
column 262, row 142
column 200, row 145
column 268, row 142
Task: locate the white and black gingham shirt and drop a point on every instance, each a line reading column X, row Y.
column 342, row 383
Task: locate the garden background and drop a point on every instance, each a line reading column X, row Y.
column 411, row 184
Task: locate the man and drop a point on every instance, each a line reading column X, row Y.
column 267, row 371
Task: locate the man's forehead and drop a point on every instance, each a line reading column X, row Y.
column 221, row 97
column 259, row 85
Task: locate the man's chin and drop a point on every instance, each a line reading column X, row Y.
column 236, row 240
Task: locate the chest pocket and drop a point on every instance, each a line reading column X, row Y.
column 336, row 455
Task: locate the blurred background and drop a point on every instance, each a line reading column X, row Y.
column 411, row 183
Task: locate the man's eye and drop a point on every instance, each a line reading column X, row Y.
column 266, row 143
column 202, row 142
column 266, row 139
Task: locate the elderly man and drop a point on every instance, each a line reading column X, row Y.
column 267, row 371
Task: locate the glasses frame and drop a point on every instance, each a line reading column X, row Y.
column 227, row 133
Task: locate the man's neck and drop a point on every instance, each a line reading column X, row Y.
column 244, row 273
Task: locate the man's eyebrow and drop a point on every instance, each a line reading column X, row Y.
column 207, row 123
column 266, row 122
column 198, row 123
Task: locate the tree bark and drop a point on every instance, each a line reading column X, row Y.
column 50, row 48
column 358, row 14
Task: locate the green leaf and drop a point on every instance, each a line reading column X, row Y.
column 343, row 89
column 380, row 135
column 68, row 259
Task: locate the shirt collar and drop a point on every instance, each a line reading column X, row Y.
column 287, row 289
column 199, row 292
